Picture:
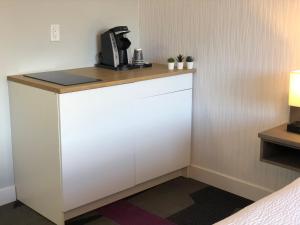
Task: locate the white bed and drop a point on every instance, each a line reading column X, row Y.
column 280, row 208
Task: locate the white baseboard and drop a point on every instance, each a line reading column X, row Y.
column 228, row 183
column 7, row 195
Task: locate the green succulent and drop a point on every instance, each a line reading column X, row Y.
column 180, row 58
column 171, row 60
column 189, row 59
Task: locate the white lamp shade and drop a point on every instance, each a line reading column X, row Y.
column 294, row 92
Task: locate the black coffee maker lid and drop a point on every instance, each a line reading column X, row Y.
column 120, row 30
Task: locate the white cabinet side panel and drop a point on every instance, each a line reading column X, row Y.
column 97, row 145
column 163, row 134
column 35, row 137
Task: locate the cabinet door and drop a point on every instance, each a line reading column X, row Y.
column 163, row 134
column 96, row 147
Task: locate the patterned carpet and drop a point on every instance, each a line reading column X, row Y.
column 180, row 201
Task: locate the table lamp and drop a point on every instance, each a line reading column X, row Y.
column 294, row 99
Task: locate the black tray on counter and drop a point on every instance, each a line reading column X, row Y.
column 125, row 67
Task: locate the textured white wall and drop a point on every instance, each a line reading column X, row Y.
column 25, row 45
column 244, row 50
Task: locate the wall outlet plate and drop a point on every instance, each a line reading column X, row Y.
column 55, row 32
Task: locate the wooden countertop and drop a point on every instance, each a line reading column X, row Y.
column 108, row 77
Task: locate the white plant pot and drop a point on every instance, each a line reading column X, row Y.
column 180, row 65
column 171, row 66
column 189, row 65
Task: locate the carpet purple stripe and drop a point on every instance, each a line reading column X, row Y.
column 124, row 213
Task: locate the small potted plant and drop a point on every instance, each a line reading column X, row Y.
column 189, row 62
column 171, row 63
column 180, row 59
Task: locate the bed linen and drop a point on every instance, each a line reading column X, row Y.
column 280, row 208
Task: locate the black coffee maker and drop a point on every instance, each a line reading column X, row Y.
column 114, row 50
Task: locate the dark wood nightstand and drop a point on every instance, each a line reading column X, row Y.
column 280, row 147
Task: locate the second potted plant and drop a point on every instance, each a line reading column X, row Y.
column 189, row 62
column 179, row 60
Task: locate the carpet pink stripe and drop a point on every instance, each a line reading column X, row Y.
column 124, row 213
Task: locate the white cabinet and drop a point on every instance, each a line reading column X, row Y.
column 103, row 140
column 163, row 134
column 116, row 137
